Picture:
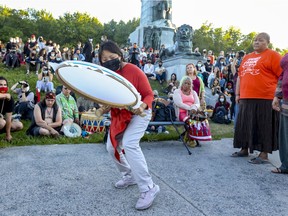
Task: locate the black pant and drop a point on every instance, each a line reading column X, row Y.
column 25, row 109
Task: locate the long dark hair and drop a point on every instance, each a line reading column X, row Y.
column 111, row 47
column 174, row 75
column 3, row 78
column 221, row 94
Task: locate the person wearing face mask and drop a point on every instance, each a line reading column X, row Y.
column 32, row 62
column 33, row 43
column 160, row 72
column 208, row 69
column 221, row 63
column 128, row 127
column 26, row 100
column 200, row 69
column 221, row 110
column 58, row 58
column 78, row 56
column 45, row 78
column 41, row 43
column 52, row 56
column 6, row 109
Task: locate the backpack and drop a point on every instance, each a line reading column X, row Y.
column 163, row 110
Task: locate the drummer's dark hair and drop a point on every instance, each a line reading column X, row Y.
column 111, row 47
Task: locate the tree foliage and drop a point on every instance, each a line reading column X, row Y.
column 73, row 27
column 66, row 30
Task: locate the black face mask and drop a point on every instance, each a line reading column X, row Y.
column 113, row 64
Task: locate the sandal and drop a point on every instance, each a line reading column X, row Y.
column 279, row 171
column 239, row 154
column 258, row 160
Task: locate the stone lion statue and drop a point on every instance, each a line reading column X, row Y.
column 184, row 36
column 183, row 43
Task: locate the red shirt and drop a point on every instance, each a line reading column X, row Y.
column 139, row 80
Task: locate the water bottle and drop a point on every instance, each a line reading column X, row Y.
column 159, row 129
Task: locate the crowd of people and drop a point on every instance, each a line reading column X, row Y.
column 256, row 84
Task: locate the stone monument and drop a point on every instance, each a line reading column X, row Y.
column 156, row 27
column 157, row 31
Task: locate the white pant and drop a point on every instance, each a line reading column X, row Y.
column 133, row 163
column 44, row 86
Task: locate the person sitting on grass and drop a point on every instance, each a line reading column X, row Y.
column 45, row 80
column 70, row 113
column 221, row 110
column 26, row 100
column 6, row 108
column 149, row 70
column 47, row 117
column 32, row 61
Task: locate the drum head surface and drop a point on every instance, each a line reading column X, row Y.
column 94, row 85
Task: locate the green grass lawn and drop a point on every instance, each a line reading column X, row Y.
column 21, row 139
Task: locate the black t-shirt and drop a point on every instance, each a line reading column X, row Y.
column 8, row 106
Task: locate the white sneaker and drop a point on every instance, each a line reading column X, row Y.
column 16, row 116
column 125, row 182
column 146, row 199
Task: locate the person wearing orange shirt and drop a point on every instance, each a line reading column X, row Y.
column 257, row 123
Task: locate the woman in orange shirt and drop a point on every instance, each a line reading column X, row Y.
column 257, row 123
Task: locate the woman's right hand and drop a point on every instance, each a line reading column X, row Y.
column 237, row 98
column 193, row 111
column 276, row 104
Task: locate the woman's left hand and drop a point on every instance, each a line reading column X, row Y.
column 140, row 109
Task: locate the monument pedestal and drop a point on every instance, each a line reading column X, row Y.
column 178, row 63
column 153, row 36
